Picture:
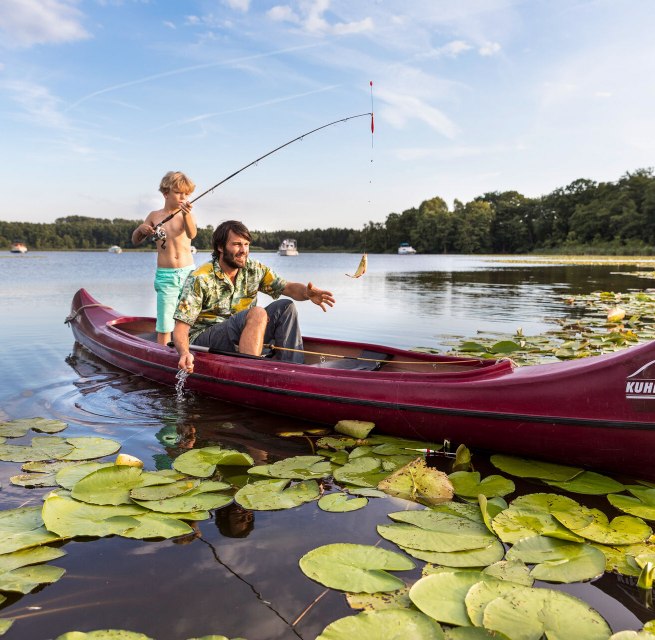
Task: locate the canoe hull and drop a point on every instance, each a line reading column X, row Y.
column 597, row 412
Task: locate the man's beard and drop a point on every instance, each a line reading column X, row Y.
column 229, row 258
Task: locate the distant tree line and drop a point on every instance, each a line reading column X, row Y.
column 583, row 217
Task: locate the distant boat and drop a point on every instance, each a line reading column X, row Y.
column 115, row 249
column 193, row 249
column 406, row 249
column 18, row 247
column 288, row 247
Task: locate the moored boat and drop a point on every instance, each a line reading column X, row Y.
column 18, row 247
column 405, row 249
column 288, row 247
column 597, row 412
column 115, row 249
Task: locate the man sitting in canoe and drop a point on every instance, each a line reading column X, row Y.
column 216, row 308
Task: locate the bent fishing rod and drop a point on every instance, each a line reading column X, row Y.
column 160, row 233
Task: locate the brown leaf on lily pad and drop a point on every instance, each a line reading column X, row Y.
column 419, row 483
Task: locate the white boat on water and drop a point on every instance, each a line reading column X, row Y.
column 405, row 249
column 18, row 247
column 193, row 249
column 288, row 247
column 115, row 249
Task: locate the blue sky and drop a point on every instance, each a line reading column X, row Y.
column 99, row 98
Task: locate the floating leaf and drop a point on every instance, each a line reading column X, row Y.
column 355, row 567
column 87, row 448
column 340, row 503
column 515, row 523
column 201, row 498
column 362, row 472
column 468, row 558
column 103, row 634
column 26, row 557
column 18, row 428
column 295, row 468
column 441, row 595
column 380, row 601
column 23, row 528
column 622, row 558
column 5, row 623
column 164, row 491
column 26, row 579
column 559, row 560
column 203, row 462
column 354, row 428
column 69, row 518
column 504, row 346
column 41, row 448
column 589, row 483
column 72, row 473
column 483, row 591
column 640, row 504
column 419, row 483
column 534, row 468
column 593, row 524
column 510, row 570
column 332, row 442
column 157, row 525
column 383, row 625
column 109, row 485
column 468, row 484
column 530, row 614
column 32, row 480
column 269, row 495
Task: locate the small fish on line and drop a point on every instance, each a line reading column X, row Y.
column 361, row 269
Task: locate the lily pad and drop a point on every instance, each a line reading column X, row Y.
column 468, row 485
column 510, row 570
column 593, row 524
column 483, row 591
column 532, row 613
column 26, row 579
column 26, row 557
column 103, row 634
column 559, row 560
column 468, row 558
column 270, row 495
column 198, row 499
column 295, row 468
column 18, row 428
column 419, row 483
column 362, row 472
column 524, row 468
column 109, row 485
column 23, row 528
column 68, row 476
column 157, row 525
column 340, row 503
column 88, row 448
column 354, row 428
column 40, row 449
column 203, row 462
column 164, row 491
column 383, row 625
column 589, row 483
column 640, row 504
column 380, row 600
column 355, row 567
column 69, row 518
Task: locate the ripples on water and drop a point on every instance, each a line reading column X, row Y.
column 238, row 576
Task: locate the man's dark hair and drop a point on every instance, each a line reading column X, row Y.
column 221, row 233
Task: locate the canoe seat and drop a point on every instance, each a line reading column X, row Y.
column 370, row 361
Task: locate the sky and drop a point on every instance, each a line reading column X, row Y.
column 100, row 98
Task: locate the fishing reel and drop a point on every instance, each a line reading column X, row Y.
column 159, row 234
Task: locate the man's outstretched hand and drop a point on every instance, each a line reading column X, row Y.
column 320, row 297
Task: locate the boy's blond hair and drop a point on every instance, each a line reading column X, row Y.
column 178, row 181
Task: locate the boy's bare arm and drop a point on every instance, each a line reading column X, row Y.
column 143, row 231
column 190, row 225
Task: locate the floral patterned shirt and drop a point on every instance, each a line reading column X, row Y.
column 208, row 295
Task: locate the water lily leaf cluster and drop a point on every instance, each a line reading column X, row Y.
column 20, row 427
column 592, row 324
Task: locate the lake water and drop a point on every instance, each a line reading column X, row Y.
column 240, row 576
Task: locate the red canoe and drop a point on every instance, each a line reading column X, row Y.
column 597, row 412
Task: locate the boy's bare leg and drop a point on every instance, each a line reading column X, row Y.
column 252, row 336
column 163, row 338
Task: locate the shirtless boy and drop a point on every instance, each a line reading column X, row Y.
column 174, row 257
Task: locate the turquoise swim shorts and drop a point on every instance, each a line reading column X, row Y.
column 168, row 285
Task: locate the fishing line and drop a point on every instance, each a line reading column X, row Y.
column 160, row 233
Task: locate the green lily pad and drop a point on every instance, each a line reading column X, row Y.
column 362, row 472
column 559, row 560
column 468, row 484
column 340, row 503
column 524, row 468
column 157, row 525
column 339, row 444
column 620, row 558
column 380, row 601
column 383, row 625
column 589, row 483
column 202, row 498
column 530, row 614
column 355, row 567
column 429, row 530
column 23, row 528
column 26, row 579
column 69, row 518
column 164, row 491
column 109, row 485
column 354, row 428
column 510, row 570
column 41, row 448
column 18, row 428
column 441, row 596
column 32, row 480
column 68, row 476
column 88, row 448
column 489, row 509
column 640, row 504
column 468, row 558
column 26, row 557
column 295, row 468
column 419, row 483
column 270, row 495
column 473, row 633
column 5, row 623
column 203, row 462
column 593, row 524
column 482, row 592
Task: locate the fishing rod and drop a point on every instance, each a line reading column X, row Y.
column 160, row 233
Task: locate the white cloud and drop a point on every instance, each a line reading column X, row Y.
column 309, row 15
column 238, row 5
column 489, row 49
column 38, row 104
column 400, row 108
column 25, row 23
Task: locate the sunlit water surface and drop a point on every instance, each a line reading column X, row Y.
column 239, row 576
